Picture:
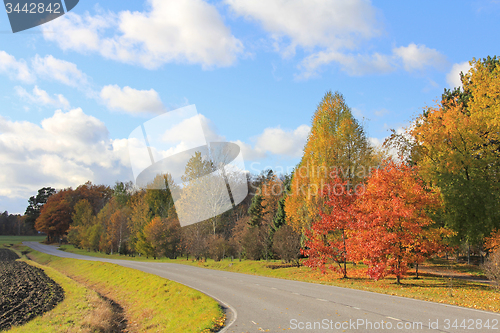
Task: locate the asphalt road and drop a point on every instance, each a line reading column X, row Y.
column 256, row 303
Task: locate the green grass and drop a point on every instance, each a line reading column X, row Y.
column 151, row 303
column 451, row 266
column 18, row 239
column 73, row 314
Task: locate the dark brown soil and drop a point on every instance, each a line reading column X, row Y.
column 25, row 291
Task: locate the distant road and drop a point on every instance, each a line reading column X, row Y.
column 267, row 304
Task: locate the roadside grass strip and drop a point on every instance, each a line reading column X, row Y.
column 150, row 303
column 104, row 297
column 78, row 312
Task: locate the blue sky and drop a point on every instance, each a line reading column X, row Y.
column 72, row 90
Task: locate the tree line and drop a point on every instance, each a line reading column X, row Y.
column 14, row 225
column 345, row 201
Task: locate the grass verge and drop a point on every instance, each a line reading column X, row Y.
column 18, row 239
column 82, row 309
column 150, row 303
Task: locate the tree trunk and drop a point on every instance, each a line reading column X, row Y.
column 345, row 254
column 468, row 253
column 398, row 275
column 120, row 240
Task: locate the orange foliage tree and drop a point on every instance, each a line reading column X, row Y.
column 337, row 142
column 55, row 216
column 328, row 238
column 97, row 195
column 117, row 231
column 394, row 221
column 492, row 243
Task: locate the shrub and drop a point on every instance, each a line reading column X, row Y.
column 218, row 247
column 286, row 244
column 252, row 243
column 492, row 267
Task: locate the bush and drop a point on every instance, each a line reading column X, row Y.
column 492, row 267
column 286, row 244
column 195, row 239
column 252, row 243
column 218, row 247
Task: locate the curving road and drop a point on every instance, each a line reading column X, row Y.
column 257, row 303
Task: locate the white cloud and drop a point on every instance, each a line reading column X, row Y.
column 15, row 69
column 330, row 32
column 68, row 149
column 281, row 142
column 210, row 131
column 76, row 126
column 377, row 143
column 132, row 100
column 189, row 31
column 79, row 33
column 412, row 58
column 309, row 23
column 188, row 133
column 453, row 77
column 326, row 30
column 59, row 70
column 275, row 140
column 47, row 68
column 418, row 57
column 40, row 96
column 249, row 153
column 354, row 65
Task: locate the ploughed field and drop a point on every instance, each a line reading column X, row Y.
column 25, row 291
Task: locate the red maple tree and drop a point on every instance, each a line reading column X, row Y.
column 394, row 222
column 328, row 238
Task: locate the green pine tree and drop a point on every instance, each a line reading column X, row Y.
column 256, row 211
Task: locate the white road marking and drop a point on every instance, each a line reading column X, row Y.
column 394, row 318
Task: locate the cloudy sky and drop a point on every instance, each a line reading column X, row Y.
column 74, row 89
